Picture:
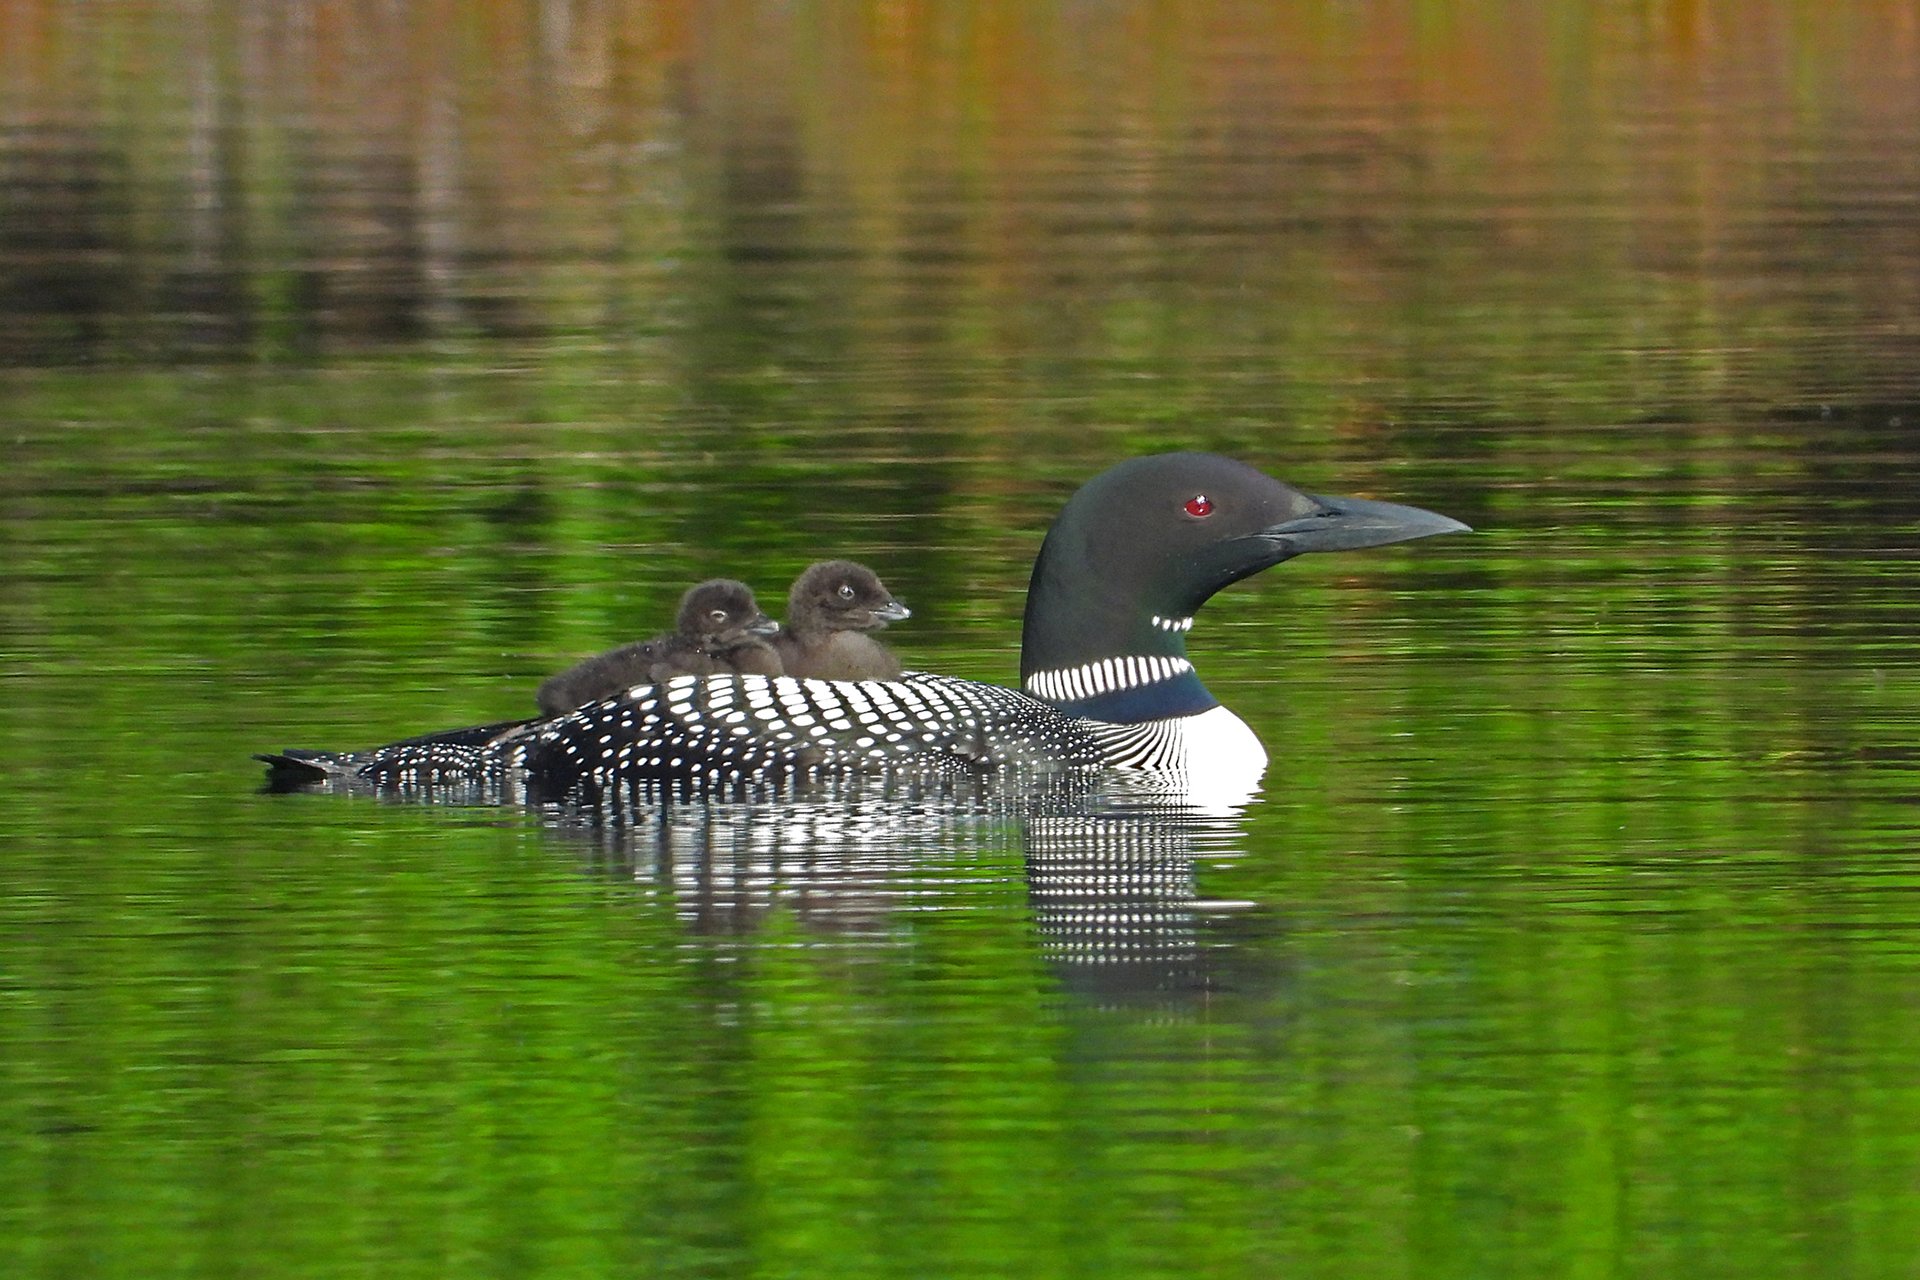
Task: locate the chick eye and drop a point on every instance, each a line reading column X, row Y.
column 846, row 591
column 1199, row 506
column 718, row 615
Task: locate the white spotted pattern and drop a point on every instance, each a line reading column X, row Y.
column 715, row 734
column 726, row 730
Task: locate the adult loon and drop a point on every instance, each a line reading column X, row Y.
column 719, row 630
column 830, row 611
column 1105, row 678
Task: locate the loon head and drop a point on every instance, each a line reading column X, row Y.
column 1140, row 547
column 721, row 613
column 839, row 595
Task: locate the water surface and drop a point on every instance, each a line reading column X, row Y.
column 359, row 368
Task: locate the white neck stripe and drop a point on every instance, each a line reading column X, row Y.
column 1172, row 624
column 1109, row 675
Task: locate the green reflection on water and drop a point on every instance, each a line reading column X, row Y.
column 1578, row 937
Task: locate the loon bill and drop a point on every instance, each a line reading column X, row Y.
column 1105, row 679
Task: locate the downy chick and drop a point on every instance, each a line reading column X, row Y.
column 718, row 630
column 832, row 607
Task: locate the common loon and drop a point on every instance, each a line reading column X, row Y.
column 832, row 607
column 1104, row 672
column 719, row 630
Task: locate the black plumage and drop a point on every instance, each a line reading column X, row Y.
column 1105, row 678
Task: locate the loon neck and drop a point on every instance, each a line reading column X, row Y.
column 1099, row 647
column 1129, row 689
column 1131, row 670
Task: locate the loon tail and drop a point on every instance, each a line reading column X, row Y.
column 296, row 767
column 292, row 769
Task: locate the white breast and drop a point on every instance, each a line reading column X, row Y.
column 1218, row 741
column 1212, row 759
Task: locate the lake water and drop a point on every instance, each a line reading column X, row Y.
column 361, row 365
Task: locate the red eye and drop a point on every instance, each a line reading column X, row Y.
column 1199, row 505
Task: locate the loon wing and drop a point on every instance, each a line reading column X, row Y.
column 733, row 729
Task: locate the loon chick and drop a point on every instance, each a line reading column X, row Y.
column 832, row 607
column 1105, row 679
column 718, row 631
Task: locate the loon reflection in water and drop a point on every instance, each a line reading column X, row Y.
column 1109, row 871
column 1106, row 683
